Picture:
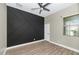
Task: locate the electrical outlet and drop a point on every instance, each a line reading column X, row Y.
column 34, row 39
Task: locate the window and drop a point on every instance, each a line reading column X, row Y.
column 71, row 25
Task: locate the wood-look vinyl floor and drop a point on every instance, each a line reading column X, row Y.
column 40, row 48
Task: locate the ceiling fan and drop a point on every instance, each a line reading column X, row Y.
column 42, row 7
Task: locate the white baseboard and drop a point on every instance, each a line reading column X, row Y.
column 24, row 44
column 75, row 50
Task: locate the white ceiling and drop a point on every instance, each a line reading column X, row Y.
column 54, row 7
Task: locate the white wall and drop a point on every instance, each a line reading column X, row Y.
column 56, row 27
column 3, row 26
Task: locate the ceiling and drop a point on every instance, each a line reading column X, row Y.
column 54, row 7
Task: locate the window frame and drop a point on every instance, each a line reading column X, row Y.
column 64, row 25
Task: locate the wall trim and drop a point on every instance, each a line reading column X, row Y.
column 75, row 50
column 24, row 44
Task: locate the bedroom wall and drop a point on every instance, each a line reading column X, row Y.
column 23, row 27
column 3, row 19
column 56, row 27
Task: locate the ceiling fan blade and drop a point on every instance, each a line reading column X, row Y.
column 46, row 9
column 40, row 4
column 46, row 4
column 40, row 11
column 35, row 8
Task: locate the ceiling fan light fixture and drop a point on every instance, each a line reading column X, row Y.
column 43, row 7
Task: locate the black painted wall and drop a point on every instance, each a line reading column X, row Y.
column 23, row 27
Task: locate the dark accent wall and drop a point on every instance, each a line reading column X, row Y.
column 23, row 27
